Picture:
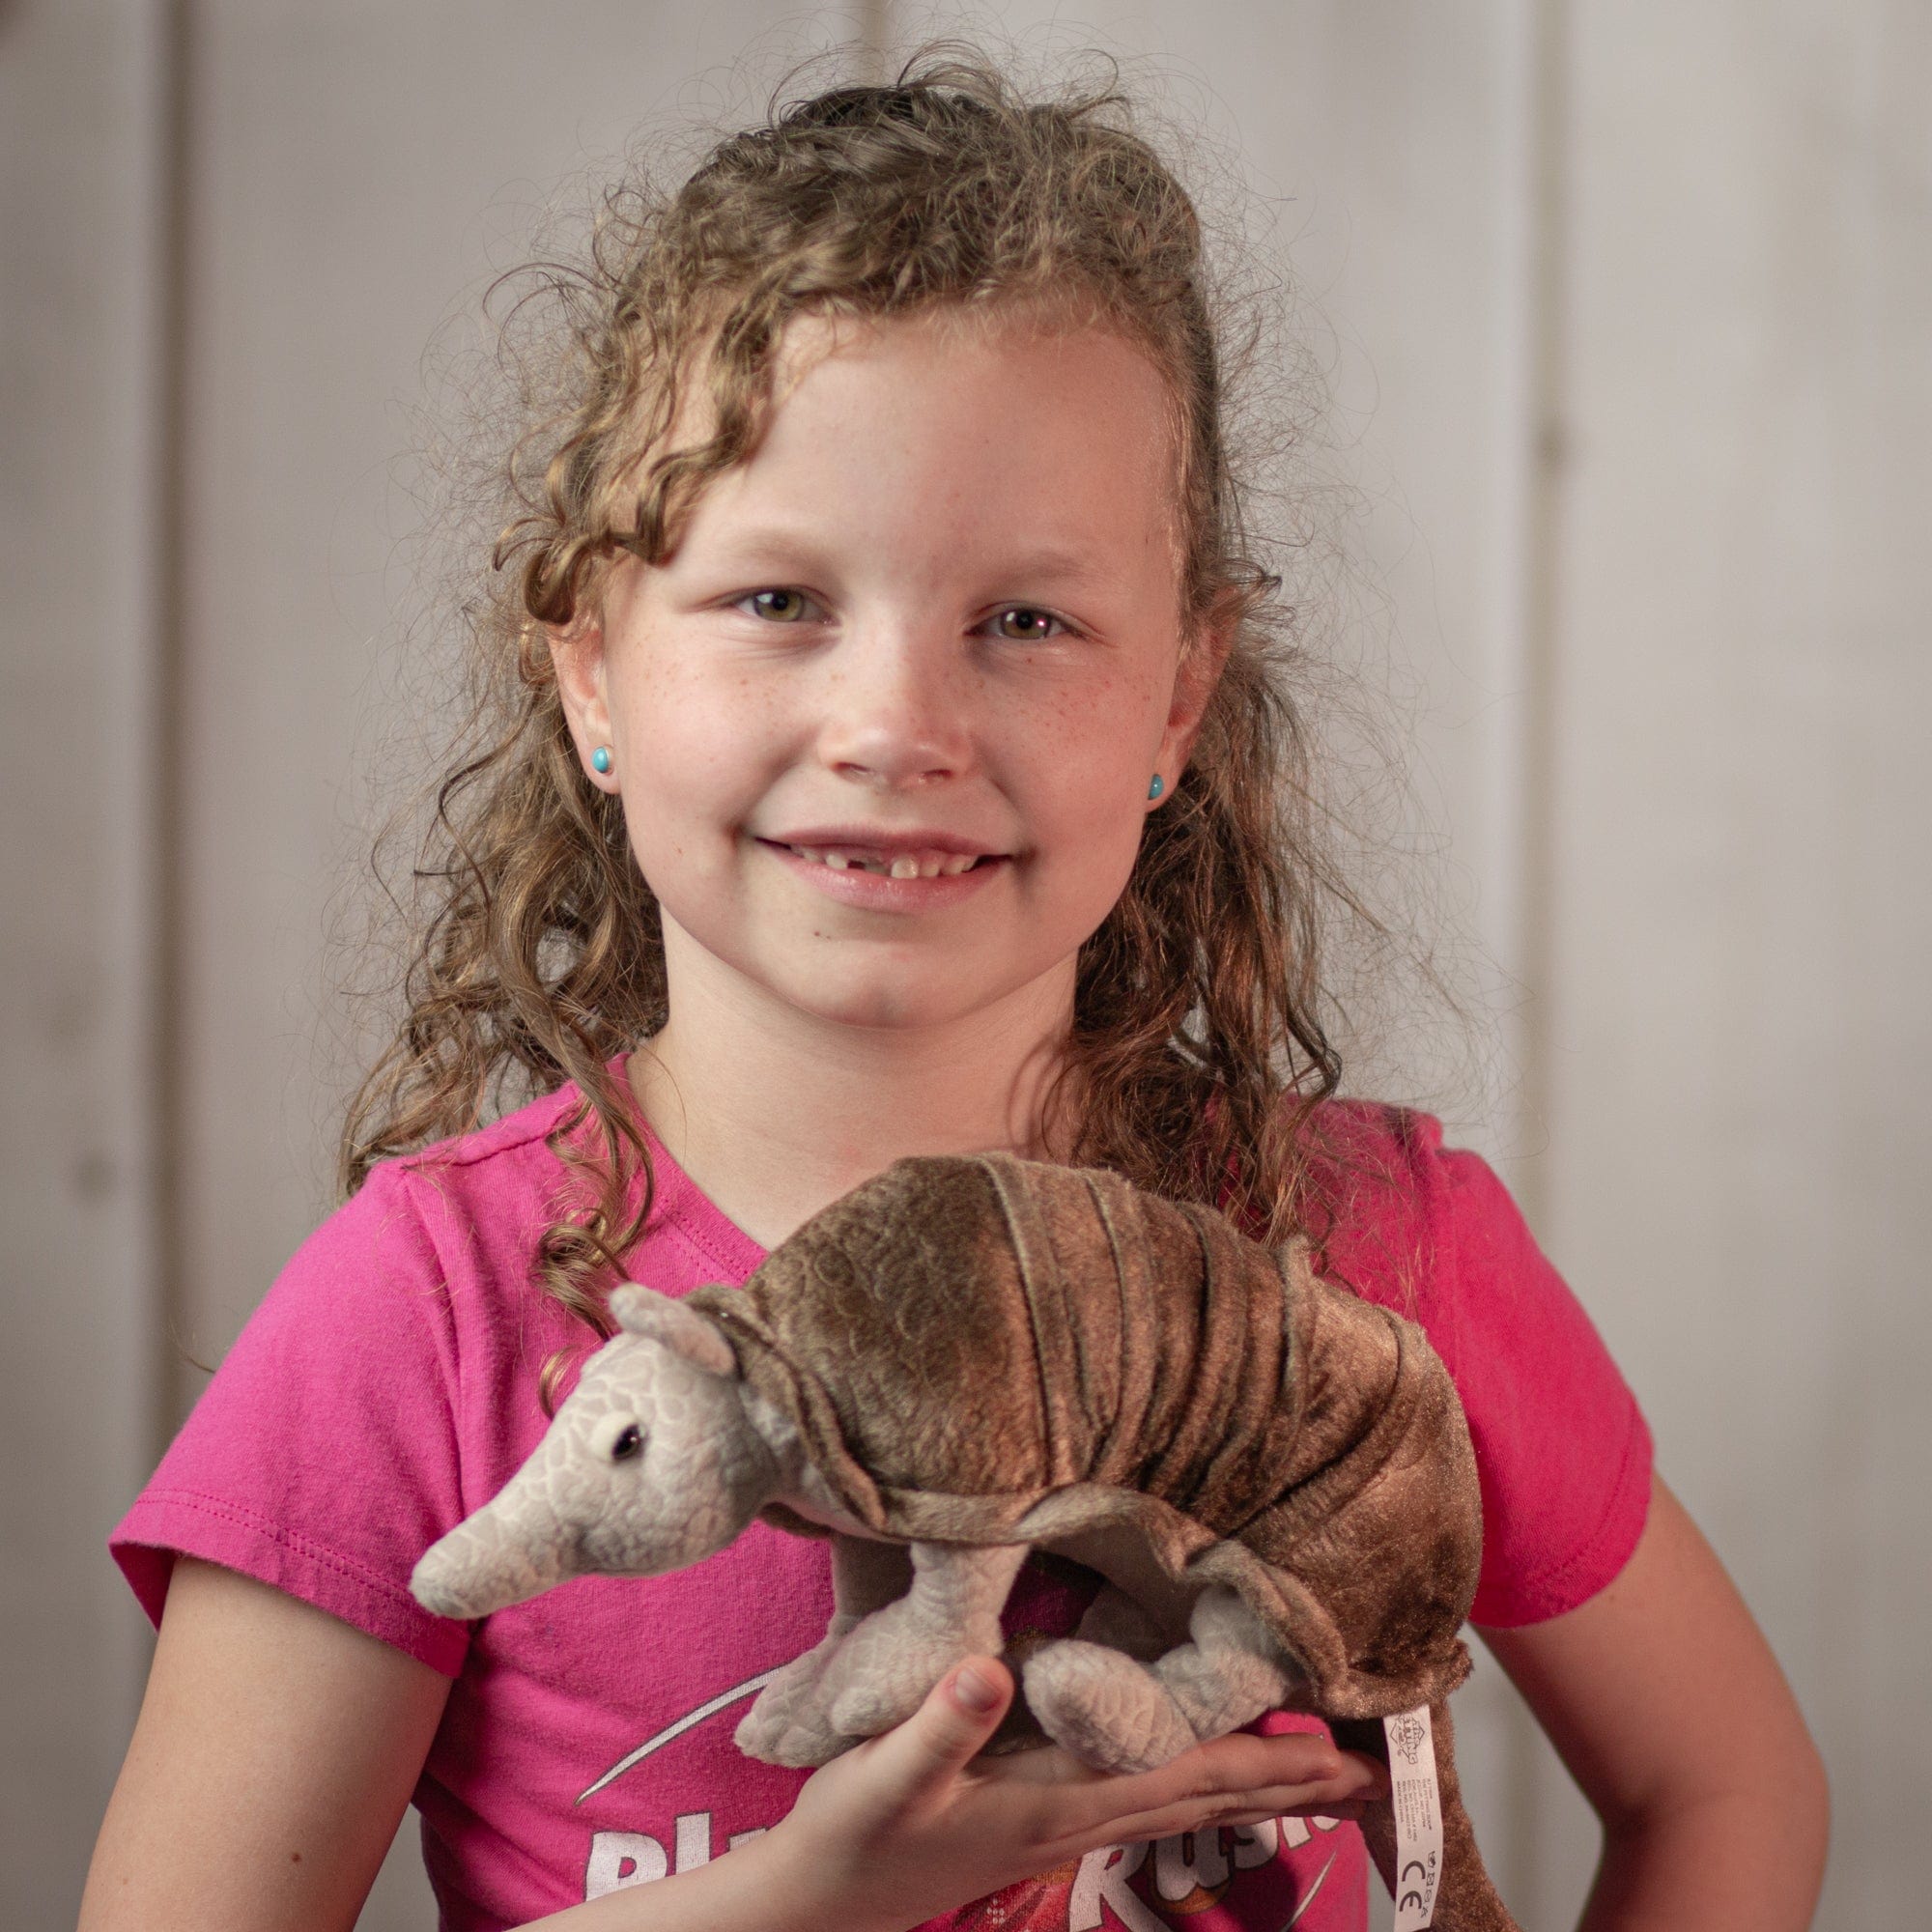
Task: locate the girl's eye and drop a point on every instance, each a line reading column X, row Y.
column 779, row 606
column 1018, row 623
column 1031, row 625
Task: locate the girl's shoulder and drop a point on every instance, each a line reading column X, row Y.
column 510, row 1146
column 1392, row 1198
column 1426, row 1229
column 1563, row 1451
column 382, row 1384
column 503, row 1181
column 1374, row 1140
column 1374, row 1174
column 482, row 1204
column 435, row 1247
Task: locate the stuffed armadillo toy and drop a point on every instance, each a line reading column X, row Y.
column 966, row 1359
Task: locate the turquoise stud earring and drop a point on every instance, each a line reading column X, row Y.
column 1155, row 785
column 600, row 759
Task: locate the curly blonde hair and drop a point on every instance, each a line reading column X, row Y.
column 1196, row 1044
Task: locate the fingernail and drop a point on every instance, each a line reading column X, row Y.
column 973, row 1690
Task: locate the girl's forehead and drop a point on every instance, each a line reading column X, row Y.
column 1009, row 418
column 948, row 346
column 941, row 329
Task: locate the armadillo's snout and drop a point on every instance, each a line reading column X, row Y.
column 436, row 1582
column 477, row 1569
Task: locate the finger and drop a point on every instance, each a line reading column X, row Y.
column 1354, row 1773
column 1290, row 1767
column 1343, row 1784
column 1367, row 1777
column 1347, row 1793
column 1375, row 1771
column 961, row 1712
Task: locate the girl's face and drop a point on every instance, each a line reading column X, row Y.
column 934, row 620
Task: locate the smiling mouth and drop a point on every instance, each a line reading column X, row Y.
column 893, row 865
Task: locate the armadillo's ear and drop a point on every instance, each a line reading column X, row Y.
column 643, row 1310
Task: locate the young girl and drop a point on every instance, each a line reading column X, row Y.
column 891, row 760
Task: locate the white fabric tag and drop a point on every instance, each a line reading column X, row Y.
column 1418, row 1817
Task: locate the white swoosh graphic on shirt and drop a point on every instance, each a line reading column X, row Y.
column 1289, row 1924
column 710, row 1708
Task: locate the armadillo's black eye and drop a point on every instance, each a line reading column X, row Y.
column 616, row 1436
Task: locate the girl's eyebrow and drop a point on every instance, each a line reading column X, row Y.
column 783, row 548
column 767, row 544
column 1066, row 566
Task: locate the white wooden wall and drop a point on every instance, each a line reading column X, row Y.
column 81, row 300
column 1625, row 308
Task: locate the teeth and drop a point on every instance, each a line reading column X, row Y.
column 902, row 865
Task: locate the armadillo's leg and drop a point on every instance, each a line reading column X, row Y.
column 1117, row 1714
column 1233, row 1671
column 1097, row 1703
column 883, row 1670
column 866, row 1573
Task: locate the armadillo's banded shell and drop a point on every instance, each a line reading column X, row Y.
column 983, row 1349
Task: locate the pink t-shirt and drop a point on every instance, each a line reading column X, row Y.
column 387, row 1386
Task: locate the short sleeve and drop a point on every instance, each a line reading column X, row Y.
column 1563, row 1452
column 323, row 1456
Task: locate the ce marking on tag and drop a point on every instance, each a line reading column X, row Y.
column 1410, row 1897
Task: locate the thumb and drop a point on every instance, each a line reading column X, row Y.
column 961, row 1712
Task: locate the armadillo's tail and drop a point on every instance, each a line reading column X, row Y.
column 1465, row 1901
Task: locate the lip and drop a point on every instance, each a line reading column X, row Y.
column 875, row 839
column 877, row 891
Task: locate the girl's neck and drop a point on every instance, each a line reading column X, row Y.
column 775, row 1114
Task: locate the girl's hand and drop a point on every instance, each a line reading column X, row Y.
column 904, row 1827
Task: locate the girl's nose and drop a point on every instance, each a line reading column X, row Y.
column 896, row 709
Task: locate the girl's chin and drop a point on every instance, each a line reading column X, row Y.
column 899, row 1007
column 913, row 995
column 796, row 972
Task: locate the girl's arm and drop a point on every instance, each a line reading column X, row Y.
column 1664, row 1701
column 275, row 1753
column 277, row 1747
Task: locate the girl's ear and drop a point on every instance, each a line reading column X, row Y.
column 1194, row 682
column 577, row 652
